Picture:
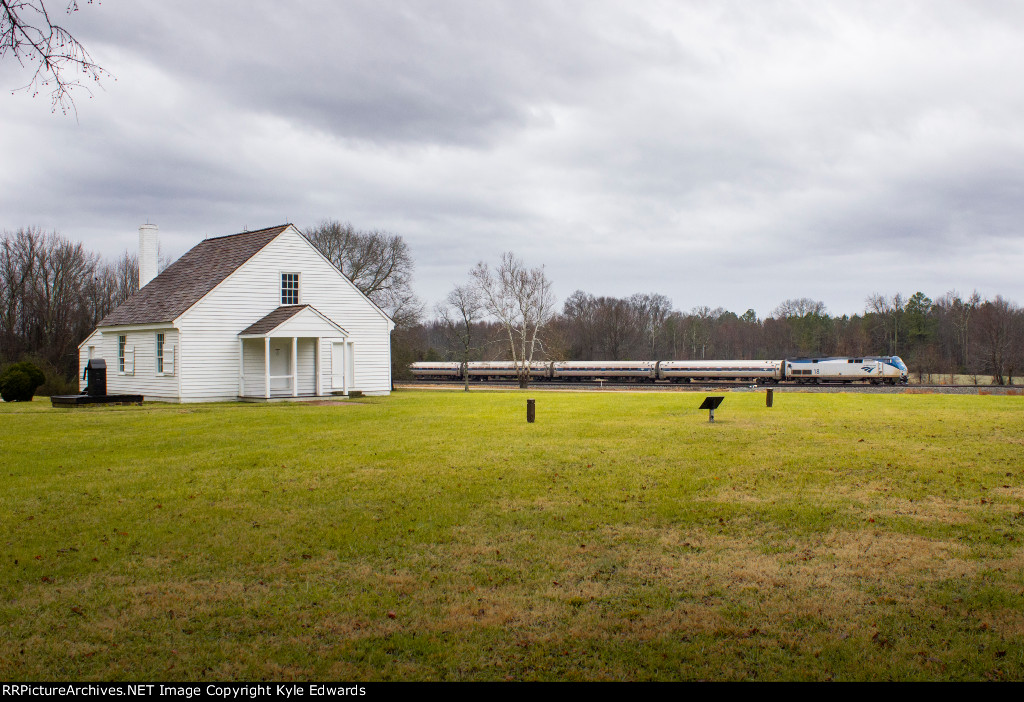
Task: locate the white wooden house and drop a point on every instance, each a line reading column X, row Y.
column 256, row 315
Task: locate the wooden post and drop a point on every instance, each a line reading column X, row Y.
column 531, row 411
column 768, row 398
column 295, row 366
column 266, row 365
column 316, row 368
column 344, row 368
column 241, row 367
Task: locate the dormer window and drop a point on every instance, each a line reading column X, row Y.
column 289, row 288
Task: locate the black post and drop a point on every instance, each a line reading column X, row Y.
column 531, row 411
column 768, row 399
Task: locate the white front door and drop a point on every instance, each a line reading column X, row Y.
column 338, row 366
column 280, row 364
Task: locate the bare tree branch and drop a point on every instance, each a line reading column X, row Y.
column 29, row 36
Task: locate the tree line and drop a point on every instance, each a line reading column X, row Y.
column 953, row 334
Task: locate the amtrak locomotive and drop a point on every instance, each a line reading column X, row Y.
column 871, row 369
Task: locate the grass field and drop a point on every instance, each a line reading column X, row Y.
column 436, row 535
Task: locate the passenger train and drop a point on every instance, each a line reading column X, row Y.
column 871, row 369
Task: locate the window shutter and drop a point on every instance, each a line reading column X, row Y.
column 129, row 360
column 168, row 360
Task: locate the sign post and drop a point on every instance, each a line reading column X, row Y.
column 711, row 404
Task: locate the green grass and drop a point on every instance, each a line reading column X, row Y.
column 436, row 535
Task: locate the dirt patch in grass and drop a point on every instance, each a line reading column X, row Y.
column 765, row 561
column 930, row 509
column 785, row 587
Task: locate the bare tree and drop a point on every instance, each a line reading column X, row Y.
column 48, row 296
column 888, row 311
column 580, row 313
column 811, row 330
column 653, row 309
column 799, row 307
column 124, row 274
column 520, row 299
column 1015, row 357
column 59, row 300
column 460, row 313
column 700, row 328
column 996, row 321
column 112, row 284
column 377, row 262
column 29, row 35
column 618, row 328
column 18, row 252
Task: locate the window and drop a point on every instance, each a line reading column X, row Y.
column 289, row 288
column 120, row 354
column 159, row 353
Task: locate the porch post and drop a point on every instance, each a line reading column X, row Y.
column 316, row 368
column 266, row 366
column 241, row 367
column 295, row 366
column 344, row 366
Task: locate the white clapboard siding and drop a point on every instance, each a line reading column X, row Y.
column 307, row 376
column 208, row 359
column 140, row 357
column 254, row 368
column 168, row 359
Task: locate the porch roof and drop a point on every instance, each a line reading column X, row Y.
column 294, row 320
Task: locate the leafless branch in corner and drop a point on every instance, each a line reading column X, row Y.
column 29, row 36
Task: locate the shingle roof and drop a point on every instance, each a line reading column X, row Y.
column 273, row 320
column 187, row 280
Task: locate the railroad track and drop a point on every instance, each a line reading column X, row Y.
column 710, row 386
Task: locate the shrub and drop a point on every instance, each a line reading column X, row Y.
column 19, row 382
column 56, row 382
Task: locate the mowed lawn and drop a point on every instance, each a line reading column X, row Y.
column 438, row 536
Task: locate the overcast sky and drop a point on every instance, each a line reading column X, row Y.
column 729, row 154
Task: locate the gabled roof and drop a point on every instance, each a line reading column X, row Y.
column 281, row 315
column 190, row 278
column 273, row 320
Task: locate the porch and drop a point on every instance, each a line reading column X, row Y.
column 294, row 352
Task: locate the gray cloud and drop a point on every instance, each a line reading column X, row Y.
column 725, row 154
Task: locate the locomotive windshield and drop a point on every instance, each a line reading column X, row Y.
column 898, row 362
